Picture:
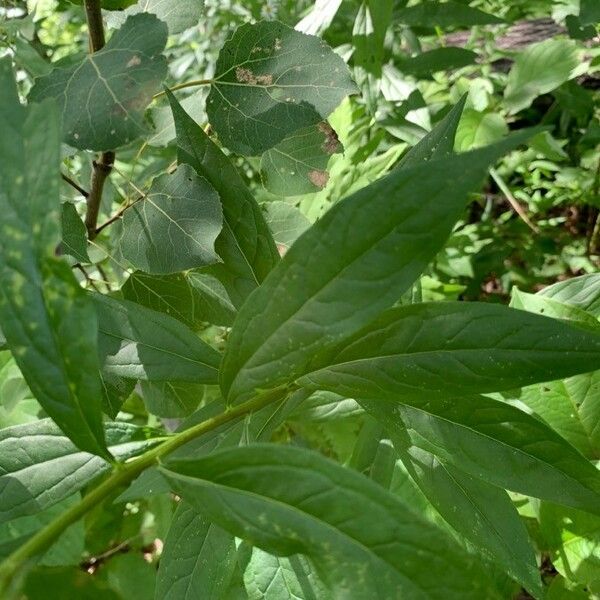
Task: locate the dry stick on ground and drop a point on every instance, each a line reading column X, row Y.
column 103, row 166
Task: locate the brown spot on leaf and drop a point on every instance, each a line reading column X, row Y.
column 282, row 249
column 247, row 76
column 332, row 143
column 134, row 61
column 277, row 46
column 318, row 178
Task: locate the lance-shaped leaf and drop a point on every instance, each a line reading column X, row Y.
column 353, row 263
column 102, row 99
column 439, row 141
column 48, row 321
column 453, row 348
column 496, row 442
column 298, row 164
column 484, row 514
column 245, row 244
column 198, row 558
column 174, row 226
column 582, row 292
column 444, row 14
column 270, row 81
column 139, row 343
column 362, row 540
column 40, row 466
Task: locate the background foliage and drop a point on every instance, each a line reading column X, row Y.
column 164, row 265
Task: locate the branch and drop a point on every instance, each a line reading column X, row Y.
column 513, row 201
column 103, row 166
column 121, row 476
column 75, row 185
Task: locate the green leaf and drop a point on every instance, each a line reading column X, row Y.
column 174, row 226
column 582, row 292
column 439, row 59
column 287, row 223
column 48, row 321
column 193, row 298
column 452, row 348
column 539, row 69
column 102, row 98
column 170, row 399
column 139, row 343
column 573, row 541
column 354, row 262
column 74, row 234
column 270, row 81
column 444, row 14
column 179, row 15
column 368, row 37
column 589, row 12
column 439, row 142
column 478, row 129
column 268, row 577
column 482, row 513
column 495, row 442
column 66, row 550
column 245, row 244
column 363, row 542
column 549, row 307
column 298, row 164
column 198, row 558
column 39, row 466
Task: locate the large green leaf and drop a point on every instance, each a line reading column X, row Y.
column 197, row 560
column 270, row 81
column 496, row 442
column 39, row 466
column 192, row 297
column 139, row 343
column 48, row 321
column 354, row 262
column 363, row 542
column 103, row 98
column 539, row 69
column 452, row 348
column 179, row 15
column 444, row 14
column 174, row 226
column 298, row 164
column 245, row 244
column 482, row 513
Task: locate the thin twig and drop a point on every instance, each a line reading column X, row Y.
column 75, row 185
column 89, row 280
column 103, row 166
column 513, row 201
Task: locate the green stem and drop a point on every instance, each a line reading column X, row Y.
column 187, row 84
column 121, row 476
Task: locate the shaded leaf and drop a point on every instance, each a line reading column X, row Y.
column 197, row 560
column 74, row 234
column 39, row 466
column 298, row 164
column 102, row 99
column 439, row 59
column 270, row 81
column 361, row 539
column 139, row 343
column 42, row 307
column 287, row 223
column 245, row 244
column 171, row 400
column 174, row 226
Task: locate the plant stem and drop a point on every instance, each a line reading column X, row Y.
column 121, row 476
column 513, row 201
column 103, row 166
column 187, row 84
